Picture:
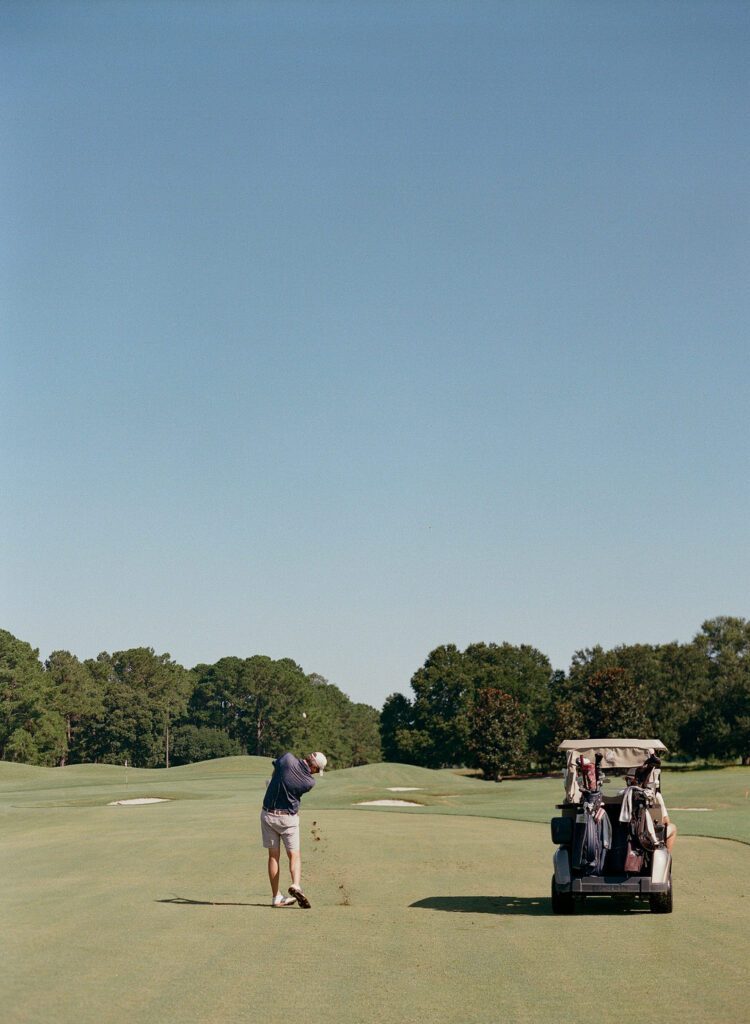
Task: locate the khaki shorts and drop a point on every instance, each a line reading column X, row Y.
column 280, row 828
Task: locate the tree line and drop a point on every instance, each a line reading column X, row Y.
column 497, row 707
column 145, row 709
column 503, row 709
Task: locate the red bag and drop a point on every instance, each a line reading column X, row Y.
column 633, row 858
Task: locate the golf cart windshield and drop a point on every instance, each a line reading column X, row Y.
column 615, row 753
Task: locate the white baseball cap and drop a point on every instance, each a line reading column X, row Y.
column 320, row 760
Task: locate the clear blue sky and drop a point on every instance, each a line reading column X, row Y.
column 339, row 331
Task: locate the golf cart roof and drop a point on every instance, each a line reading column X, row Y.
column 616, row 753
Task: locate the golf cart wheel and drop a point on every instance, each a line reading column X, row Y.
column 562, row 902
column 661, row 902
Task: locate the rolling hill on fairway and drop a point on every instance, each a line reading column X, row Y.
column 709, row 803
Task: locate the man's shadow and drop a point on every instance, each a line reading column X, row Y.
column 183, row 901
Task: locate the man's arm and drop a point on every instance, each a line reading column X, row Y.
column 663, row 815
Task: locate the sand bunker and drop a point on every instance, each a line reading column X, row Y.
column 387, row 803
column 403, row 789
column 139, row 800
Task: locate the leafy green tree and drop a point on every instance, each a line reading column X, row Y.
column 170, row 687
column 616, row 705
column 142, row 694
column 721, row 725
column 49, row 738
column 497, row 733
column 523, row 672
column 127, row 731
column 443, row 695
column 395, row 719
column 610, row 698
column 160, row 687
column 676, row 700
column 566, row 718
column 583, row 666
column 192, row 743
column 92, row 737
column 361, row 723
column 272, row 706
column 21, row 693
column 21, row 746
column 30, row 730
column 446, row 689
column 416, row 746
column 672, row 677
column 347, row 732
column 325, row 710
column 75, row 696
column 257, row 701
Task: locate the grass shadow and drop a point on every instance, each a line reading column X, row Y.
column 183, row 901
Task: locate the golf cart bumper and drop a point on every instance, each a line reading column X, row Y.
column 595, row 885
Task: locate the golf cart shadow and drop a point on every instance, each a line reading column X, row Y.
column 530, row 906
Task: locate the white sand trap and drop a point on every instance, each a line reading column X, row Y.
column 692, row 808
column 139, row 800
column 387, row 803
column 404, row 789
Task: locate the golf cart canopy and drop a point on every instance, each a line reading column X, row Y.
column 616, row 753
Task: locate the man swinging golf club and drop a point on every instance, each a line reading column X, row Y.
column 279, row 820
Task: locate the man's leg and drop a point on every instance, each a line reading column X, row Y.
column 295, row 889
column 295, row 866
column 291, row 844
column 273, row 869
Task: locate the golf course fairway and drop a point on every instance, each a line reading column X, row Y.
column 159, row 913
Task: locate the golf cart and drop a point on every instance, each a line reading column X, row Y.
column 607, row 842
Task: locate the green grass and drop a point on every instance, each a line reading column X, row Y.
column 159, row 913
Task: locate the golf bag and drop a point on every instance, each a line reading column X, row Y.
column 642, row 838
column 589, row 773
column 594, row 837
